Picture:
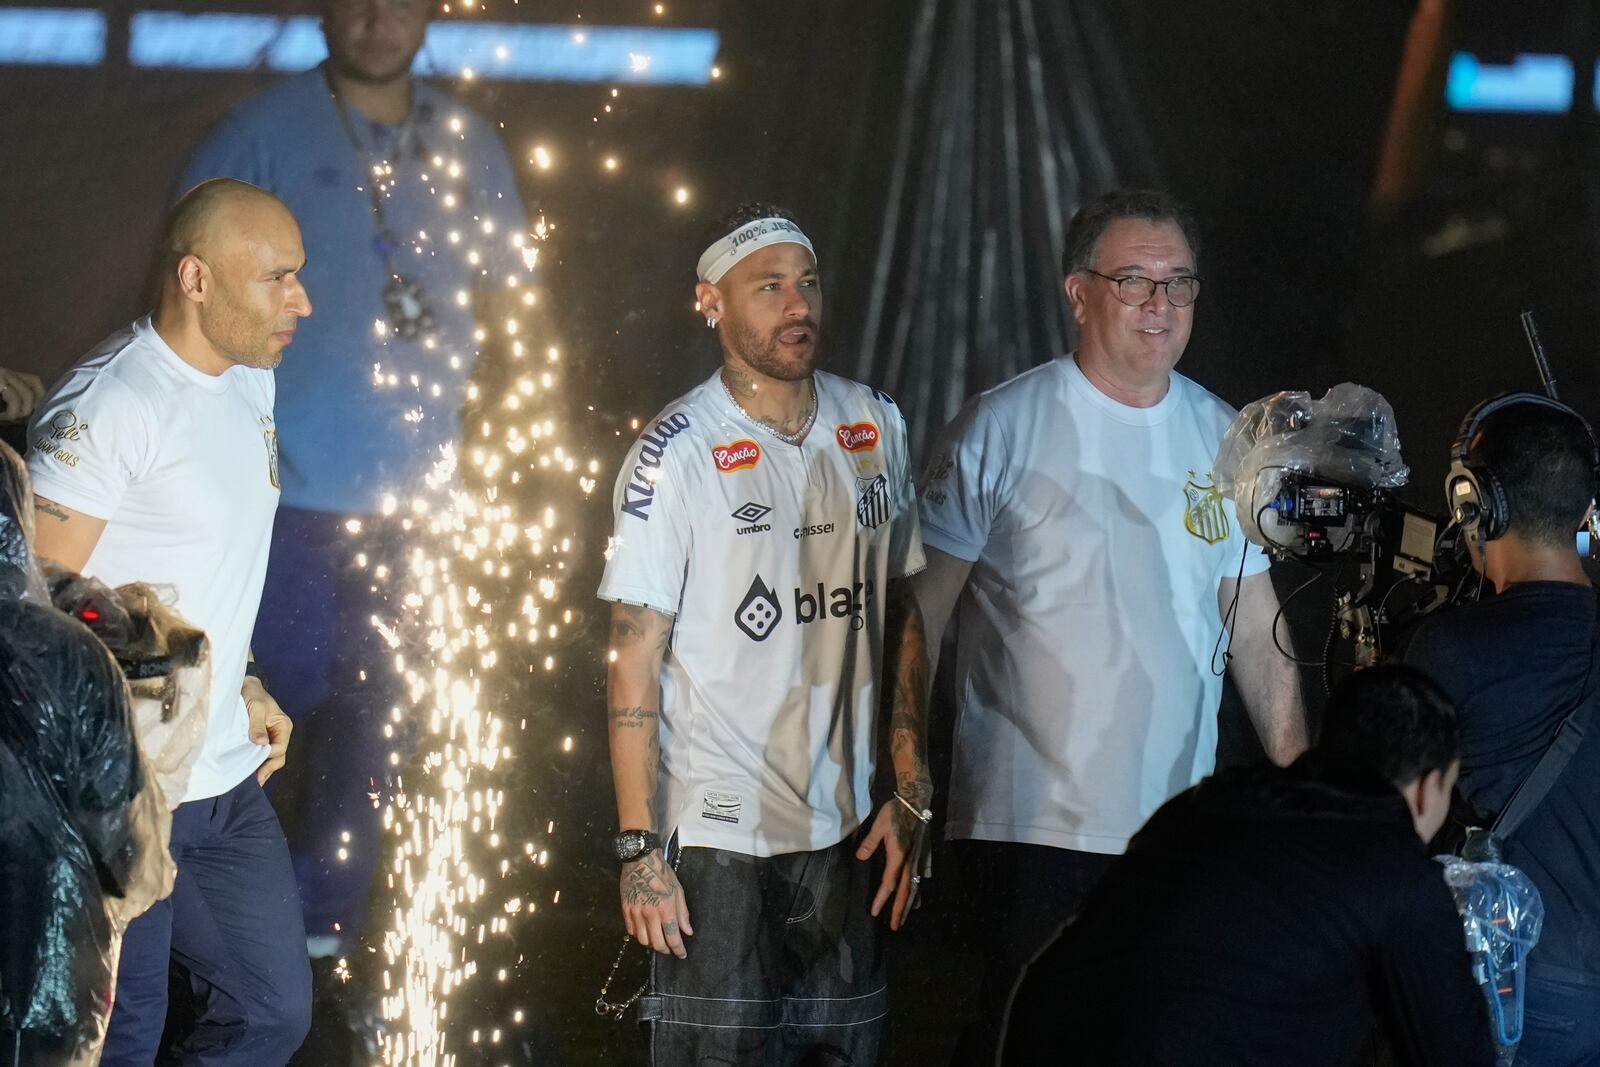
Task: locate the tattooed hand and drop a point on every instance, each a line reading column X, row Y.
column 895, row 829
column 896, row 826
column 653, row 905
column 917, row 788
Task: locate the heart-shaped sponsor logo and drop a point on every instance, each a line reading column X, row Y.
column 858, row 438
column 737, row 456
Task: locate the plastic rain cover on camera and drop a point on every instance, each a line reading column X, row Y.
column 1347, row 438
column 167, row 663
column 22, row 577
column 1501, row 914
column 83, row 830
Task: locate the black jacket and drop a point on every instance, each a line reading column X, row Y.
column 1262, row 917
column 69, row 768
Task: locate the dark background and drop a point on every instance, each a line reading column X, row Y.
column 933, row 149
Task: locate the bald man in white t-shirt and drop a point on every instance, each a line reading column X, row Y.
column 1072, row 514
column 156, row 460
column 765, row 522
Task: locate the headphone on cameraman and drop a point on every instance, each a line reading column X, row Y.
column 1473, row 493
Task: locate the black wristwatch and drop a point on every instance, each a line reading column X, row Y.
column 252, row 669
column 630, row 845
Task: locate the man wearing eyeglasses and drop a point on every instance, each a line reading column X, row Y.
column 1072, row 514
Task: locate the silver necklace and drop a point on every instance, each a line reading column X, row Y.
column 787, row 438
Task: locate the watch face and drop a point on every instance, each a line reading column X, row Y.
column 629, row 844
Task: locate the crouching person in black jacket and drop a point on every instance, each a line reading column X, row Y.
column 1273, row 916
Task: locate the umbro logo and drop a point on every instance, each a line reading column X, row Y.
column 750, row 513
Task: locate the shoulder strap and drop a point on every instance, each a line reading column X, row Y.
column 1569, row 735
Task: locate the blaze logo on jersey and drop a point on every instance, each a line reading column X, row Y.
column 759, row 612
column 859, row 437
column 872, row 501
column 845, row 602
column 737, row 456
column 1204, row 516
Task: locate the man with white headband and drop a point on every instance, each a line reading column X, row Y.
column 764, row 522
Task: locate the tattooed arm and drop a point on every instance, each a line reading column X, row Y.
column 653, row 906
column 63, row 535
column 906, row 653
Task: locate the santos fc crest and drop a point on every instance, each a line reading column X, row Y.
column 1203, row 514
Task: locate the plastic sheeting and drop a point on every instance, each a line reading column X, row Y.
column 167, row 663
column 1501, row 915
column 20, row 577
column 83, row 827
column 1346, row 438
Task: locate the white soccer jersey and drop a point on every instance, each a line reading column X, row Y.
column 1088, row 668
column 183, row 466
column 773, row 558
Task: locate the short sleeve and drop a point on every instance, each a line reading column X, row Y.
column 1242, row 550
column 648, row 556
column 905, row 538
column 963, row 482
column 88, row 442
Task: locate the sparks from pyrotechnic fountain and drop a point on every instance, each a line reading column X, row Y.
column 476, row 596
column 471, row 537
column 469, row 540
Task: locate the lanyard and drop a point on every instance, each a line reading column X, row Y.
column 404, row 301
column 383, row 241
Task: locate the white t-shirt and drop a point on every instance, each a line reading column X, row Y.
column 774, row 559
column 1087, row 628
column 182, row 465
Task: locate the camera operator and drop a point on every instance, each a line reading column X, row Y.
column 1269, row 915
column 1523, row 477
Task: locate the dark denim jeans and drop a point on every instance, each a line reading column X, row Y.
column 785, row 965
column 1560, row 1025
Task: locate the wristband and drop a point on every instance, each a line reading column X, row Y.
column 252, row 669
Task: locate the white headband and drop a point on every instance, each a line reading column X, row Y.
column 726, row 251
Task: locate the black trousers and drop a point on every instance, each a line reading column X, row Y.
column 1017, row 898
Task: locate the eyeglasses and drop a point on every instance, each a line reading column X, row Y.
column 1135, row 290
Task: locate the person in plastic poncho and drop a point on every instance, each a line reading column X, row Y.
column 75, row 816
